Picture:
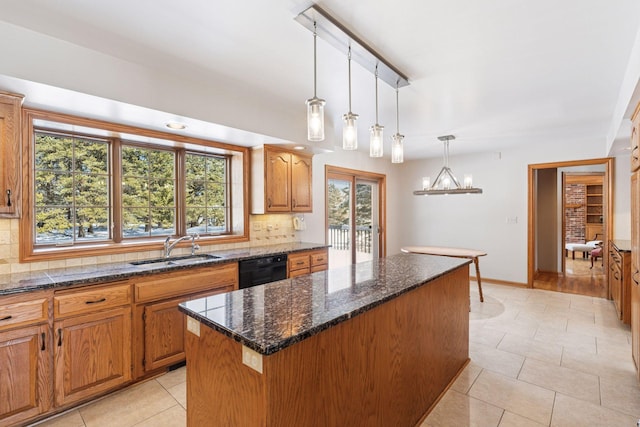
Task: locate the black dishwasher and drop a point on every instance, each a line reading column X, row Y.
column 258, row 271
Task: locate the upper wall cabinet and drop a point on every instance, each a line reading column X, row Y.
column 10, row 158
column 281, row 181
column 635, row 140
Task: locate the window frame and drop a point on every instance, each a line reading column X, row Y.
column 118, row 136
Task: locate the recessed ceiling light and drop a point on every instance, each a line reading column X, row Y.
column 175, row 125
column 299, row 147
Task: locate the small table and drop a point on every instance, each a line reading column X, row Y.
column 471, row 254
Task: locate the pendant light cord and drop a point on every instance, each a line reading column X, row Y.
column 349, row 62
column 397, row 111
column 376, row 94
column 314, row 58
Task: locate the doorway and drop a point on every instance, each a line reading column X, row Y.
column 552, row 214
column 355, row 215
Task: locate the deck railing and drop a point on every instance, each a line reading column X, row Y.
column 339, row 237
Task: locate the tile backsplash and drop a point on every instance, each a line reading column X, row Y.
column 263, row 230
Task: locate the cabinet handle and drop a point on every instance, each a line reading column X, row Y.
column 8, row 197
column 294, row 203
column 44, row 336
column 634, row 276
column 96, row 302
column 59, row 337
column 320, row 259
column 269, row 202
column 300, row 263
column 6, row 318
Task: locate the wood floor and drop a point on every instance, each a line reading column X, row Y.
column 579, row 279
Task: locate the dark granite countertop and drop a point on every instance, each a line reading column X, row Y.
column 100, row 273
column 622, row 245
column 271, row 317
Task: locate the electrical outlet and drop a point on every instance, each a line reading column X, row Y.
column 193, row 326
column 269, row 227
column 276, row 226
column 252, row 359
column 257, row 226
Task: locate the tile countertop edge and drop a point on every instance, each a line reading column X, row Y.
column 268, row 349
column 11, row 284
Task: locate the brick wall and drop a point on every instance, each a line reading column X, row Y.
column 575, row 196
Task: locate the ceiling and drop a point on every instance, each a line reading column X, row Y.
column 495, row 73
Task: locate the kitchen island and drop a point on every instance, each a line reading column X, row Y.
column 375, row 344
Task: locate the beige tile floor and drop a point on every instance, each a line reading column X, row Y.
column 538, row 358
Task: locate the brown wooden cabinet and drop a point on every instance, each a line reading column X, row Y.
column 158, row 323
column 635, row 269
column 281, row 181
column 306, row 262
column 620, row 278
column 10, row 154
column 635, row 140
column 92, row 335
column 25, row 357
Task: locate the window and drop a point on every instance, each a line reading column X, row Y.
column 99, row 188
column 148, row 192
column 71, row 187
column 206, row 201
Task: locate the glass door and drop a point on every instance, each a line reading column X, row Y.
column 354, row 208
column 339, row 236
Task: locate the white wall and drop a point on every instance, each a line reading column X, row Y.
column 622, row 198
column 480, row 221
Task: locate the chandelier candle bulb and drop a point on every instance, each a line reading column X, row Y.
column 468, row 181
column 426, row 182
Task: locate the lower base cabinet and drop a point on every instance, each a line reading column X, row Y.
column 92, row 354
column 158, row 323
column 25, row 374
column 306, row 262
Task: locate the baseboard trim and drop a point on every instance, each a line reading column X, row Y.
column 500, row 282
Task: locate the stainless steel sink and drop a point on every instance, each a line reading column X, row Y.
column 179, row 260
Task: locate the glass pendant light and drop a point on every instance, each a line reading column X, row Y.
column 377, row 138
column 397, row 150
column 350, row 120
column 315, row 105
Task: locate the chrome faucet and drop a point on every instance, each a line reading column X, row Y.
column 169, row 247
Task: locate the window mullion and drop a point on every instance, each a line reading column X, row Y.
column 116, row 190
column 180, row 193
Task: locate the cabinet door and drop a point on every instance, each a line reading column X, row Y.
column 92, row 354
column 635, row 269
column 635, row 141
column 164, row 327
column 277, row 181
column 615, row 283
column 10, row 154
column 301, row 184
column 25, row 368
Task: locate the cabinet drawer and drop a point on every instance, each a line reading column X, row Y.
column 300, row 272
column 299, row 262
column 20, row 313
column 95, row 298
column 185, row 282
column 319, row 258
